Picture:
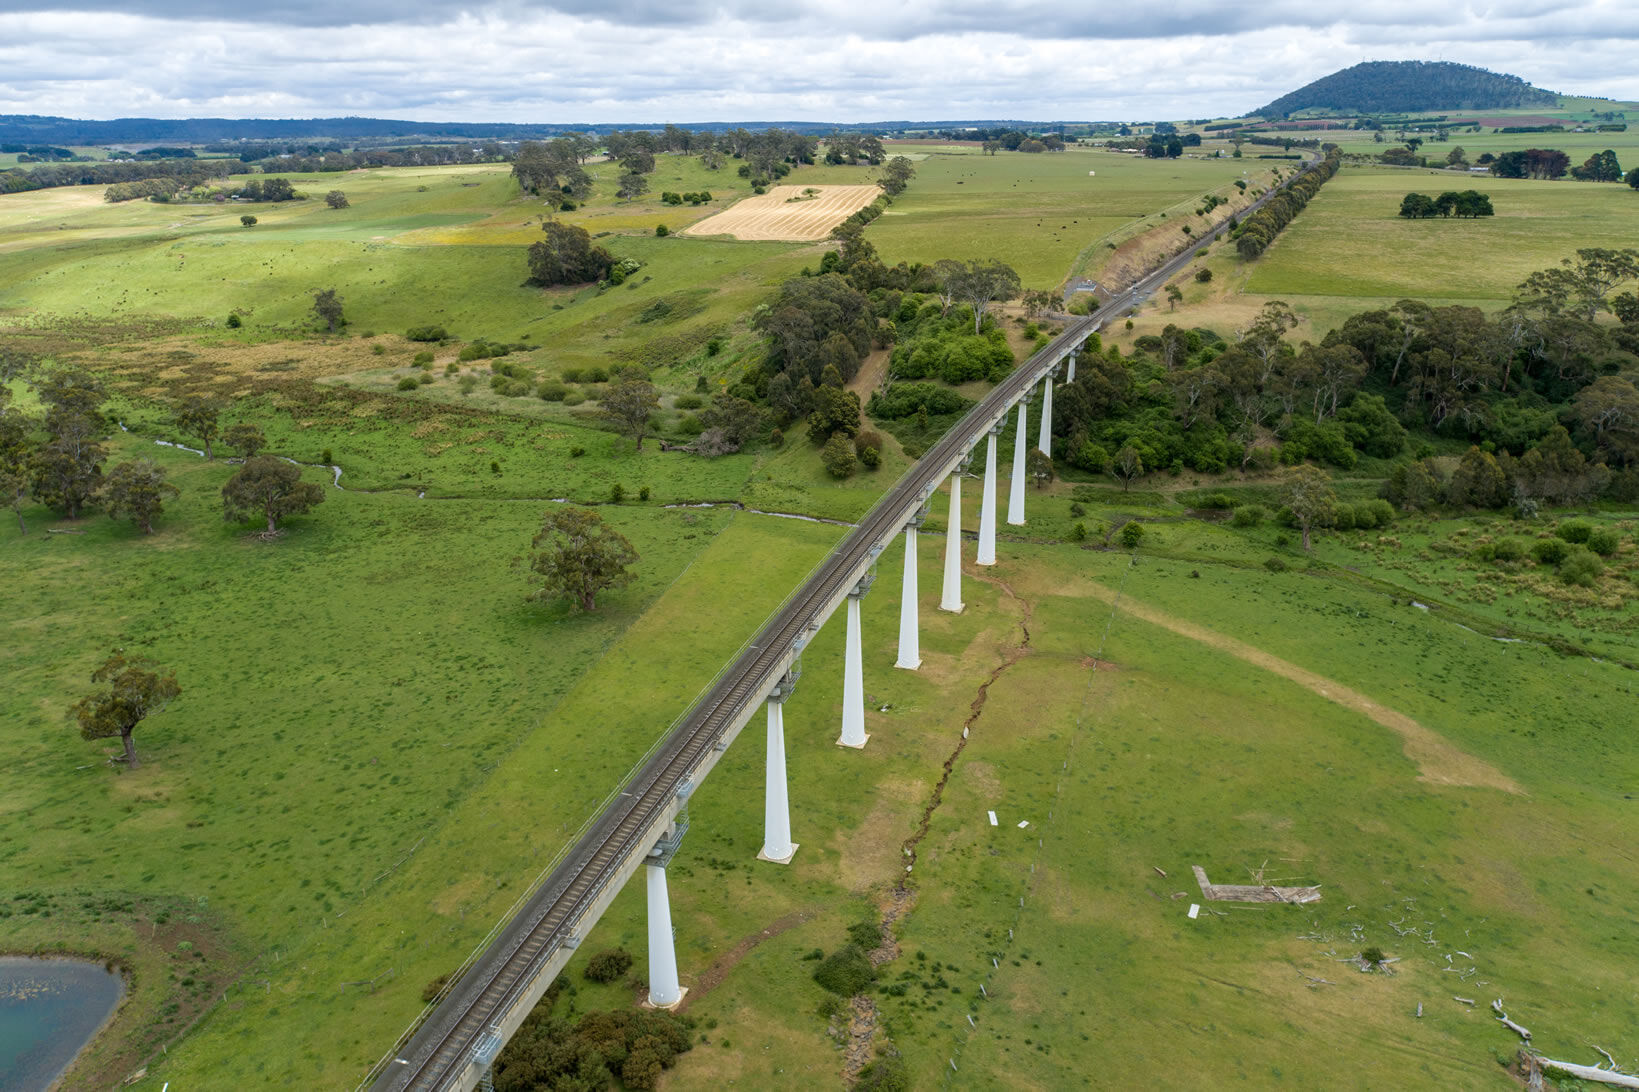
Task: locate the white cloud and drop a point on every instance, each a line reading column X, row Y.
column 693, row 60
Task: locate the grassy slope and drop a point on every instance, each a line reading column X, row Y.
column 1234, row 767
column 1035, row 212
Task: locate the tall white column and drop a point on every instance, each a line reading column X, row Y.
column 664, row 991
column 777, row 844
column 1045, row 441
column 1015, row 499
column 987, row 506
column 951, row 598
column 1070, row 377
column 910, row 645
column 853, row 682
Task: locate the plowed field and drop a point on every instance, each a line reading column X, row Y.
column 774, row 215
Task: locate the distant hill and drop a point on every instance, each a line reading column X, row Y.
column 1393, row 87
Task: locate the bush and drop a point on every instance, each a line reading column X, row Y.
column 420, row 360
column 1550, row 551
column 1275, row 565
column 1078, row 533
column 870, row 458
column 1248, row 515
column 661, row 230
column 573, row 375
column 1574, row 530
column 609, row 965
column 1132, row 533
column 408, row 383
column 886, row 1073
column 1202, row 276
column 1382, row 512
column 574, row 398
column 846, row 971
column 426, row 333
column 838, row 456
column 452, row 368
column 234, row 321
column 426, row 379
column 551, row 390
column 1508, row 549
column 688, row 401
column 1581, row 567
column 576, row 452
column 1604, row 541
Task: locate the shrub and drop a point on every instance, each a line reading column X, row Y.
column 661, row 230
column 574, row 398
column 643, row 493
column 870, row 458
column 234, row 321
column 1574, row 530
column 426, row 378
column 1550, row 551
column 572, row 375
column 1508, row 549
column 846, row 971
column 1382, row 512
column 421, row 359
column 408, row 383
column 1203, row 275
column 596, row 374
column 1132, row 533
column 452, row 368
column 1604, row 541
column 1581, row 567
column 1275, row 565
column 609, row 965
column 551, row 390
column 1247, row 515
column 576, row 452
column 886, row 1073
column 1215, row 501
column 838, row 456
column 617, row 493
column 1078, row 533
column 688, row 401
column 426, row 333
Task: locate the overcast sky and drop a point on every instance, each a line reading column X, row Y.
column 716, row 60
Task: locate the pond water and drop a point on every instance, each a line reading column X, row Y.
column 49, row 1009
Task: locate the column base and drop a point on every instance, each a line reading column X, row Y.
column 860, row 746
column 647, row 1004
column 1015, row 523
column 909, row 667
column 957, row 609
column 984, row 564
column 761, row 856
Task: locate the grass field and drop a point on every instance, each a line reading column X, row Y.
column 1035, row 212
column 1474, row 835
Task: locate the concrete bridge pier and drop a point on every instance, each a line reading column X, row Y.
column 1015, row 499
column 987, row 503
column 853, row 674
column 664, row 990
column 1070, row 375
column 951, row 597
column 910, row 642
column 1044, row 442
column 777, row 844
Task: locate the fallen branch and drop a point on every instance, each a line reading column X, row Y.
column 1502, row 1018
column 1592, row 1073
column 1464, row 1000
column 1606, row 1053
column 62, row 531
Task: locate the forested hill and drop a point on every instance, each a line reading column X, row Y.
column 1383, row 87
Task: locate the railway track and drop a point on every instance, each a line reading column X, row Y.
column 437, row 1053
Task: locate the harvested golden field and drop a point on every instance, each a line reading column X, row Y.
column 797, row 213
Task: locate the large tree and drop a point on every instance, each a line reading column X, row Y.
column 269, row 488
column 577, row 556
column 327, row 306
column 980, row 284
column 1309, row 494
column 66, row 471
column 630, row 403
column 244, row 438
column 896, row 175
column 566, row 256
column 137, row 489
column 198, row 417
column 137, row 688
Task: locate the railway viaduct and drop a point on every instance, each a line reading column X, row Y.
column 641, row 825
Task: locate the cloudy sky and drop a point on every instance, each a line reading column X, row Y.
column 714, row 60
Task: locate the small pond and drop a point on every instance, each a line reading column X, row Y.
column 49, row 1009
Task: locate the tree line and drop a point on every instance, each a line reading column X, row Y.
column 1468, row 204
column 1254, row 234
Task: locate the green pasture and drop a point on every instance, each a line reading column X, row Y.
column 1579, row 146
column 1121, row 769
column 1349, row 247
column 1035, row 212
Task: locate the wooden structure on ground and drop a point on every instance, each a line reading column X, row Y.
column 1230, row 892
